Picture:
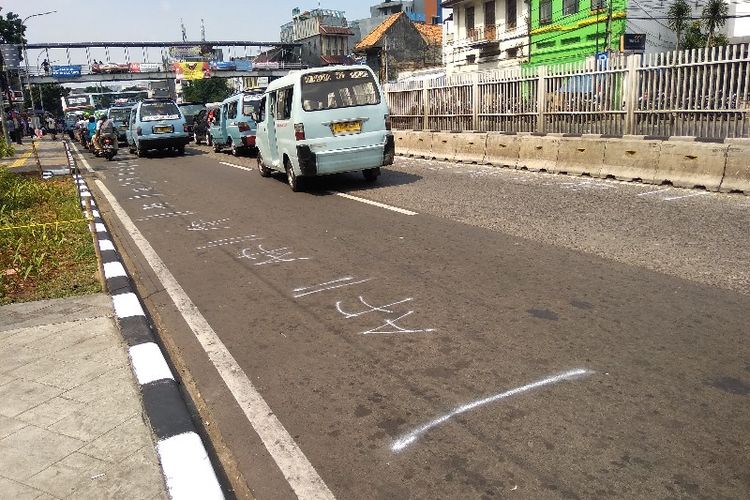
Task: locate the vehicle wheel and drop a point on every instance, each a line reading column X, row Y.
column 139, row 152
column 196, row 138
column 233, row 147
column 180, row 150
column 217, row 147
column 209, row 139
column 131, row 150
column 371, row 174
column 291, row 177
column 262, row 168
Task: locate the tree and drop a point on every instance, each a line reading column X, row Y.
column 51, row 94
column 714, row 16
column 12, row 29
column 96, row 90
column 679, row 14
column 207, row 90
column 696, row 39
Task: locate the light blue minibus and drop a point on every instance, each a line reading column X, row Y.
column 233, row 126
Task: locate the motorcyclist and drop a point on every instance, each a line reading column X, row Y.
column 90, row 129
column 105, row 127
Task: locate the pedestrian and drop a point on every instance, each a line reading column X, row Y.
column 19, row 128
column 52, row 127
column 45, row 66
column 11, row 126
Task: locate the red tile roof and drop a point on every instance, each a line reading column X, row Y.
column 376, row 34
column 336, row 60
column 335, row 30
column 432, row 33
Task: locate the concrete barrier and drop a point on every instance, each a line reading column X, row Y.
column 400, row 137
column 443, row 146
column 471, row 147
column 691, row 164
column 737, row 172
column 417, row 143
column 538, row 153
column 630, row 159
column 502, row 149
column 581, row 155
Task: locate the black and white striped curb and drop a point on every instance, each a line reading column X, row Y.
column 184, row 461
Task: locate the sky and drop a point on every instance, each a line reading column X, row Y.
column 158, row 20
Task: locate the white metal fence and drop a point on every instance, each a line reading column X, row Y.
column 701, row 92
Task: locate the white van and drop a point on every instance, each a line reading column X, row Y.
column 324, row 121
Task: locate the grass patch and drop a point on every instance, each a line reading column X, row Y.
column 46, row 249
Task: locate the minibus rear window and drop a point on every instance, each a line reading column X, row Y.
column 339, row 89
column 250, row 106
column 159, row 111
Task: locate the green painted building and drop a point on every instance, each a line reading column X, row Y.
column 563, row 31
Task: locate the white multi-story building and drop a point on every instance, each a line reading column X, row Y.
column 485, row 35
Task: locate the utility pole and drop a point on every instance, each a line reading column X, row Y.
column 607, row 38
column 184, row 32
column 203, row 31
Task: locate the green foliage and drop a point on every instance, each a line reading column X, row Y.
column 12, row 29
column 6, row 149
column 37, row 259
column 695, row 38
column 679, row 18
column 714, row 16
column 50, row 94
column 207, row 90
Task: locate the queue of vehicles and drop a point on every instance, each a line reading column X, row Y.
column 310, row 123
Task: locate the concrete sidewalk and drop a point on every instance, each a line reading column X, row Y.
column 71, row 420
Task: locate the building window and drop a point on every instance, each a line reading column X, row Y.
column 545, row 45
column 469, row 19
column 570, row 7
column 570, row 41
column 598, row 4
column 545, row 11
column 511, row 14
column 513, row 53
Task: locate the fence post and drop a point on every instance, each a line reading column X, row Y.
column 425, row 105
column 631, row 95
column 541, row 99
column 475, row 102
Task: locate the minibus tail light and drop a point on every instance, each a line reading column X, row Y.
column 139, row 131
column 299, row 131
column 185, row 128
column 387, row 122
column 243, row 126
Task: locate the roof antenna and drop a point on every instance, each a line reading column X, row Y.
column 203, row 31
column 184, row 32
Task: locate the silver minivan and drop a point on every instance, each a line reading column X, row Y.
column 324, row 121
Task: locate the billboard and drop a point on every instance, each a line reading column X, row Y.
column 192, row 70
column 11, row 57
column 145, row 67
column 73, row 102
column 69, row 71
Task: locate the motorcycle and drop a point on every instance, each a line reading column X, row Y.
column 107, row 148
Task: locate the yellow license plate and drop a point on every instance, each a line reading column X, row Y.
column 346, row 128
column 162, row 130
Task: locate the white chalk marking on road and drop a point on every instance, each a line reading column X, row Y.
column 228, row 241
column 127, row 305
column 653, row 192
column 411, row 437
column 164, row 216
column 372, row 308
column 149, row 364
column 294, row 465
column 382, row 329
column 113, row 270
column 692, row 195
column 237, row 166
column 187, row 468
column 375, row 203
column 329, row 285
column 106, row 245
column 141, row 196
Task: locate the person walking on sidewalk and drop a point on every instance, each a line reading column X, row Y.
column 52, row 127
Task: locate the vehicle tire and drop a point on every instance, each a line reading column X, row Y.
column 371, row 174
column 139, row 152
column 196, row 138
column 131, row 150
column 262, row 168
column 209, row 139
column 233, row 147
column 295, row 183
column 217, row 147
column 180, row 150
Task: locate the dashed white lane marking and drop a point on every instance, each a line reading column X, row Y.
column 375, row 203
column 106, row 245
column 127, row 305
column 149, row 363
column 653, row 192
column 187, row 468
column 113, row 270
column 294, row 465
column 234, row 165
column 692, row 195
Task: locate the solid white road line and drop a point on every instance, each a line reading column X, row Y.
column 127, row 305
column 292, row 462
column 113, row 270
column 685, row 196
column 149, row 364
column 187, row 469
column 375, row 203
column 237, row 166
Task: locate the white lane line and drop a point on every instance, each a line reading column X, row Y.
column 294, row 465
column 411, row 437
column 375, row 203
column 127, row 305
column 187, row 468
column 114, row 270
column 686, row 196
column 149, row 364
column 237, row 166
column 653, row 192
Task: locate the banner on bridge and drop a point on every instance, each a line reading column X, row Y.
column 192, row 70
column 145, row 67
column 69, row 71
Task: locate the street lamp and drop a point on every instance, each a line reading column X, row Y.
column 26, row 55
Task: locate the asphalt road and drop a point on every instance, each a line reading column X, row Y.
column 520, row 336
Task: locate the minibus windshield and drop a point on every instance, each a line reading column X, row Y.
column 339, row 89
column 120, row 114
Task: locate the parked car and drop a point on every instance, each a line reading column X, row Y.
column 323, row 121
column 120, row 115
column 189, row 111
column 233, row 125
column 157, row 124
